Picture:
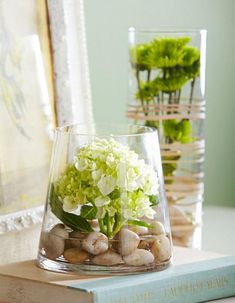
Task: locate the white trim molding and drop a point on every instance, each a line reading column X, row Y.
column 71, row 72
column 21, row 220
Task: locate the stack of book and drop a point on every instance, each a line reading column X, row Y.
column 196, row 276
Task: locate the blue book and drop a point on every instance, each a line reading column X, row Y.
column 189, row 283
column 197, row 276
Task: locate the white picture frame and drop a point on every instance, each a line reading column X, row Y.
column 71, row 73
column 71, row 88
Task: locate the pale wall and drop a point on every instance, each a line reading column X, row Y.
column 107, row 24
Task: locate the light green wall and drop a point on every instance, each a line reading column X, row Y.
column 107, row 22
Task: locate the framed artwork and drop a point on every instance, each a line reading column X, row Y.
column 26, row 108
column 44, row 82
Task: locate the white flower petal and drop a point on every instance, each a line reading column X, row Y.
column 101, row 201
column 110, row 160
column 69, row 205
column 96, row 174
column 81, row 164
column 106, row 184
column 150, row 212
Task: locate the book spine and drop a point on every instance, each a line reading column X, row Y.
column 15, row 290
column 191, row 288
column 191, row 283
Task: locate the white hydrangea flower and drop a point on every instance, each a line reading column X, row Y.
column 151, row 187
column 127, row 214
column 110, row 160
column 81, row 164
column 150, row 212
column 106, row 184
column 96, row 174
column 68, row 204
column 121, row 174
column 101, row 201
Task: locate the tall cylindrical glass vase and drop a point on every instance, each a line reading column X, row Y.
column 167, row 91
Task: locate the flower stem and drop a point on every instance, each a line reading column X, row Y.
column 109, row 227
column 191, row 94
column 118, row 227
column 148, row 75
column 140, row 90
column 179, row 95
column 119, row 222
column 102, row 227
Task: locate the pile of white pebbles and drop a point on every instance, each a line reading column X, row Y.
column 132, row 246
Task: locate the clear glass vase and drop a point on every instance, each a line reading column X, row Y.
column 167, row 91
column 106, row 209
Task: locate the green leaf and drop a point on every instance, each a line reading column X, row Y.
column 88, row 212
column 152, row 123
column 77, row 223
column 115, row 194
column 106, row 219
column 153, row 200
column 139, row 223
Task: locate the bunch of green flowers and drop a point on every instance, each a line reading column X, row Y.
column 109, row 182
column 162, row 68
column 174, row 64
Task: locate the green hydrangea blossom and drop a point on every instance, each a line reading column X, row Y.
column 110, row 178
